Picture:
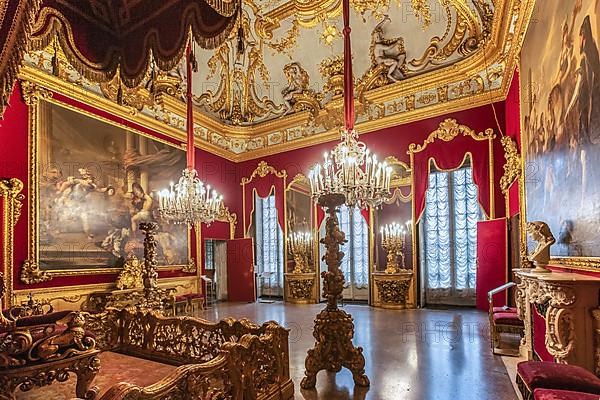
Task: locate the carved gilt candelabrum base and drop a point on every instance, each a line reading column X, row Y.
column 334, row 328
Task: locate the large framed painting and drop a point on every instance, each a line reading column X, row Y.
column 93, row 182
column 560, row 99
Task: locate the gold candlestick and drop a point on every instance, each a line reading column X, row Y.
column 334, row 328
column 393, row 240
column 301, row 248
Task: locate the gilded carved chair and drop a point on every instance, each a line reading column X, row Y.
column 39, row 347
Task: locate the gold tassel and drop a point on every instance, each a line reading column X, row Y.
column 55, row 62
column 120, row 95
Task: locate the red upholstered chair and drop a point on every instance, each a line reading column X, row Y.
column 503, row 320
column 553, row 394
column 533, row 375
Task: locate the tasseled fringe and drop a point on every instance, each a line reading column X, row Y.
column 23, row 29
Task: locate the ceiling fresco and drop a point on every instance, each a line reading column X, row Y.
column 276, row 84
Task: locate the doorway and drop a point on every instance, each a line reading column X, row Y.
column 355, row 264
column 448, row 236
column 215, row 267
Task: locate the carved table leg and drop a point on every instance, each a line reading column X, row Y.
column 86, row 371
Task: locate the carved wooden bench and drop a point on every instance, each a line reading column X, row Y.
column 230, row 359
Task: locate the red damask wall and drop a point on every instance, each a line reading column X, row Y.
column 226, row 176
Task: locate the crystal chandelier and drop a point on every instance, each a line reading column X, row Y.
column 351, row 170
column 189, row 201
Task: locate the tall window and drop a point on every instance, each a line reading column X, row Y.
column 209, row 254
column 355, row 264
column 269, row 243
column 450, row 236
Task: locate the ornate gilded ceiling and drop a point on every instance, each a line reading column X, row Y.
column 276, row 83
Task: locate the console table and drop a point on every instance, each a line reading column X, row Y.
column 392, row 290
column 569, row 304
column 301, row 288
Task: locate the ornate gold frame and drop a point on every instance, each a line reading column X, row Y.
column 30, row 270
column 12, row 201
column 575, row 263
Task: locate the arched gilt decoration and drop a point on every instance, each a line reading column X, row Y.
column 447, row 131
column 263, row 185
column 229, row 217
column 263, row 169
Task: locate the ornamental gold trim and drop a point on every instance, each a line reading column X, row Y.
column 447, row 131
column 386, row 106
column 33, row 94
column 512, row 165
column 263, row 169
column 12, row 202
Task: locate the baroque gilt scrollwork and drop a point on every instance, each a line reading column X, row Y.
column 131, row 277
column 301, row 288
column 263, row 169
column 297, row 95
column 393, row 291
column 447, row 131
column 11, row 203
column 512, row 165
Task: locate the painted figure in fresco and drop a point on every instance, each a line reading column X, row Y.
column 388, row 52
column 117, row 216
column 72, row 197
column 298, row 81
column 142, row 206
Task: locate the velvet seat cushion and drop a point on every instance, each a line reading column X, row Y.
column 181, row 298
column 507, row 318
column 550, row 375
column 554, row 394
column 504, row 309
column 195, row 296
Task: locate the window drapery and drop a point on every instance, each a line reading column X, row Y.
column 355, row 264
column 269, row 242
column 450, row 235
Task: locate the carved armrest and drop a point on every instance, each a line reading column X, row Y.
column 497, row 290
column 46, row 342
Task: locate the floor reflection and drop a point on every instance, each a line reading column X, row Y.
column 332, row 386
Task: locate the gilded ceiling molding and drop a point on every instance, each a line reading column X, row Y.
column 447, row 131
column 263, row 169
column 12, row 202
column 439, row 92
column 512, row 165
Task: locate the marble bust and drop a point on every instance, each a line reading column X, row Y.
column 540, row 232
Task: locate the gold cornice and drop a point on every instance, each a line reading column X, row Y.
column 243, row 143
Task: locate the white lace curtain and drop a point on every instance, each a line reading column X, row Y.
column 269, row 242
column 355, row 264
column 450, row 234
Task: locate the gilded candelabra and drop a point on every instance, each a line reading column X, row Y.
column 153, row 295
column 334, row 328
column 393, row 241
column 301, row 247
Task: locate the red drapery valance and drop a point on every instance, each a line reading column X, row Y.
column 15, row 25
column 265, row 180
column 448, row 147
column 101, row 38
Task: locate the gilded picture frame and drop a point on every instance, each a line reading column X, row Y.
column 36, row 97
column 569, row 27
